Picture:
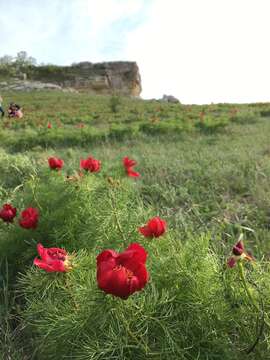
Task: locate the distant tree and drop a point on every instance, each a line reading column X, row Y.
column 46, row 64
column 32, row 61
column 22, row 59
column 6, row 60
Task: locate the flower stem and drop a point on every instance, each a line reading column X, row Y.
column 249, row 294
column 254, row 304
column 34, row 193
column 119, row 227
column 247, row 289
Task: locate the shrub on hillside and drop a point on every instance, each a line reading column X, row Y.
column 211, row 124
column 115, row 103
column 265, row 113
column 245, row 117
column 161, row 128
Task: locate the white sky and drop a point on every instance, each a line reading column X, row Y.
column 200, row 51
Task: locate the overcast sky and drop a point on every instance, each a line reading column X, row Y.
column 200, row 51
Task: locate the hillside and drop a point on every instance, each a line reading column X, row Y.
column 203, row 169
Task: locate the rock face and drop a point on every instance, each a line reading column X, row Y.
column 170, row 99
column 104, row 78
column 21, row 85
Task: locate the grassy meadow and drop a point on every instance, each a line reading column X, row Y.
column 204, row 169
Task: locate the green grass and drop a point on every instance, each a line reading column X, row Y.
column 207, row 176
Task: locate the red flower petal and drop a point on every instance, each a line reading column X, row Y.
column 122, row 274
column 7, row 213
column 90, row 164
column 29, row 218
column 42, row 252
column 134, row 285
column 105, row 267
column 154, row 228
column 106, row 255
column 145, row 231
column 142, row 276
column 238, row 248
column 104, row 278
column 231, row 262
column 55, row 266
column 82, row 163
column 52, row 259
column 128, row 162
column 157, row 226
column 140, row 254
column 42, row 264
column 115, row 282
column 55, row 163
column 132, row 173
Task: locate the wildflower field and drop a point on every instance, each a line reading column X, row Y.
column 134, row 229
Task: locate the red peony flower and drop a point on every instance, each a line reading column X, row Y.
column 55, row 163
column 52, row 259
column 124, row 273
column 29, row 218
column 90, row 164
column 239, row 254
column 131, row 173
column 128, row 164
column 154, row 228
column 49, row 126
column 8, row 213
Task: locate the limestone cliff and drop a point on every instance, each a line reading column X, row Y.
column 121, row 77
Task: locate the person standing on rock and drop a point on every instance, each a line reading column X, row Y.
column 1, row 108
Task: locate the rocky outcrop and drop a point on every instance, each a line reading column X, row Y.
column 105, row 78
column 170, row 99
column 21, row 85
